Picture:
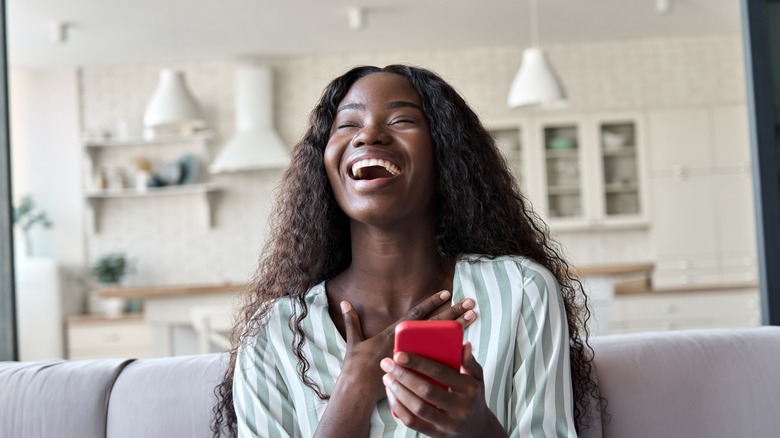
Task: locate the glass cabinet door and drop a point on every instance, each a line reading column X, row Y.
column 621, row 176
column 563, row 162
column 509, row 142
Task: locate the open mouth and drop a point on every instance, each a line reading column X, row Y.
column 373, row 168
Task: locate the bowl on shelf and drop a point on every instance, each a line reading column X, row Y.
column 613, row 141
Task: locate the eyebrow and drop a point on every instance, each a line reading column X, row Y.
column 388, row 105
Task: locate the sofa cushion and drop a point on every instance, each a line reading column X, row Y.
column 57, row 398
column 708, row 383
column 165, row 397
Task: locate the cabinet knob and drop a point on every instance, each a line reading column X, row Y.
column 112, row 337
column 669, row 309
column 668, row 325
column 684, row 264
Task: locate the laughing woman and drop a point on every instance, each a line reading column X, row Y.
column 398, row 205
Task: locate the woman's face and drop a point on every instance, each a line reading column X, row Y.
column 379, row 157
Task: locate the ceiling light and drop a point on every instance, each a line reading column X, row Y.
column 535, row 82
column 172, row 108
column 357, row 18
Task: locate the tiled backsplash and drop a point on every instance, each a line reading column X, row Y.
column 166, row 235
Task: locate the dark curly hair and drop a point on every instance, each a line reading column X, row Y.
column 479, row 211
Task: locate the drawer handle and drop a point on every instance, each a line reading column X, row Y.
column 669, row 309
column 112, row 337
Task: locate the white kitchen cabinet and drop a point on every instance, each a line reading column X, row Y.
column 510, row 139
column 587, row 172
column 702, row 199
column 120, row 182
column 682, row 310
column 96, row 337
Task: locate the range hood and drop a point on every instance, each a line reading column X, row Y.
column 255, row 144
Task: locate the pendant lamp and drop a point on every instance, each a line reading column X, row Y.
column 172, row 107
column 535, row 82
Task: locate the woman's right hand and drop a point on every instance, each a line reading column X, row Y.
column 361, row 363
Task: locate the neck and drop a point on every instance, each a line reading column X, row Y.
column 396, row 267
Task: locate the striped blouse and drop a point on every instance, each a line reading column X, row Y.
column 520, row 338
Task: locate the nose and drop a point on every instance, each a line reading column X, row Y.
column 371, row 135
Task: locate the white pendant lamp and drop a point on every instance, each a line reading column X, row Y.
column 255, row 144
column 535, row 82
column 172, row 106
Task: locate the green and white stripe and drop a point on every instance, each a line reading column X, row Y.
column 520, row 338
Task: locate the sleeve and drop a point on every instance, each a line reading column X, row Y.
column 542, row 403
column 260, row 396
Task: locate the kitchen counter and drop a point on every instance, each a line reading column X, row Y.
column 146, row 292
column 613, row 269
column 171, row 311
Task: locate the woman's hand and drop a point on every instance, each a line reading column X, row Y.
column 359, row 386
column 363, row 355
column 428, row 409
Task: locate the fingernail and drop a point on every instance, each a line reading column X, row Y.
column 401, row 358
column 386, row 364
column 444, row 295
column 387, row 380
column 468, row 303
column 470, row 315
column 344, row 307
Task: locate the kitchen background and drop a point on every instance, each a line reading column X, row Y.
column 685, row 95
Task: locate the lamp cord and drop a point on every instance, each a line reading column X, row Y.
column 532, row 7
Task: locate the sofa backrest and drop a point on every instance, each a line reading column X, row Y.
column 56, row 398
column 166, row 397
column 708, row 383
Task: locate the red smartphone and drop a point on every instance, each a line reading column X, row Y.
column 441, row 341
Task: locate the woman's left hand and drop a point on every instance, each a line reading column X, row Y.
column 428, row 409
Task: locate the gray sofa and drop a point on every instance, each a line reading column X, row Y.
column 708, row 383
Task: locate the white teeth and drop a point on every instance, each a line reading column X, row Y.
column 357, row 168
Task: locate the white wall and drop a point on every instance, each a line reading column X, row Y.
column 46, row 163
column 167, row 237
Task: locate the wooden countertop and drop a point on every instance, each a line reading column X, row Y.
column 86, row 319
column 145, row 292
column 616, row 269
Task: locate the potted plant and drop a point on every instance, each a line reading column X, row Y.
column 26, row 218
column 109, row 270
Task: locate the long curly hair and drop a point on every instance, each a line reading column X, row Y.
column 480, row 210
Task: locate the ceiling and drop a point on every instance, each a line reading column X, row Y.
column 141, row 31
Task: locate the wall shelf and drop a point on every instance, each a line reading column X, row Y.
column 207, row 190
column 204, row 136
column 94, row 151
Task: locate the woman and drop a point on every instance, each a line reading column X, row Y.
column 397, row 205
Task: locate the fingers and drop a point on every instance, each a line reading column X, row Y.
column 352, row 323
column 462, row 312
column 413, row 372
column 469, row 364
column 425, row 308
column 418, row 398
column 401, row 412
